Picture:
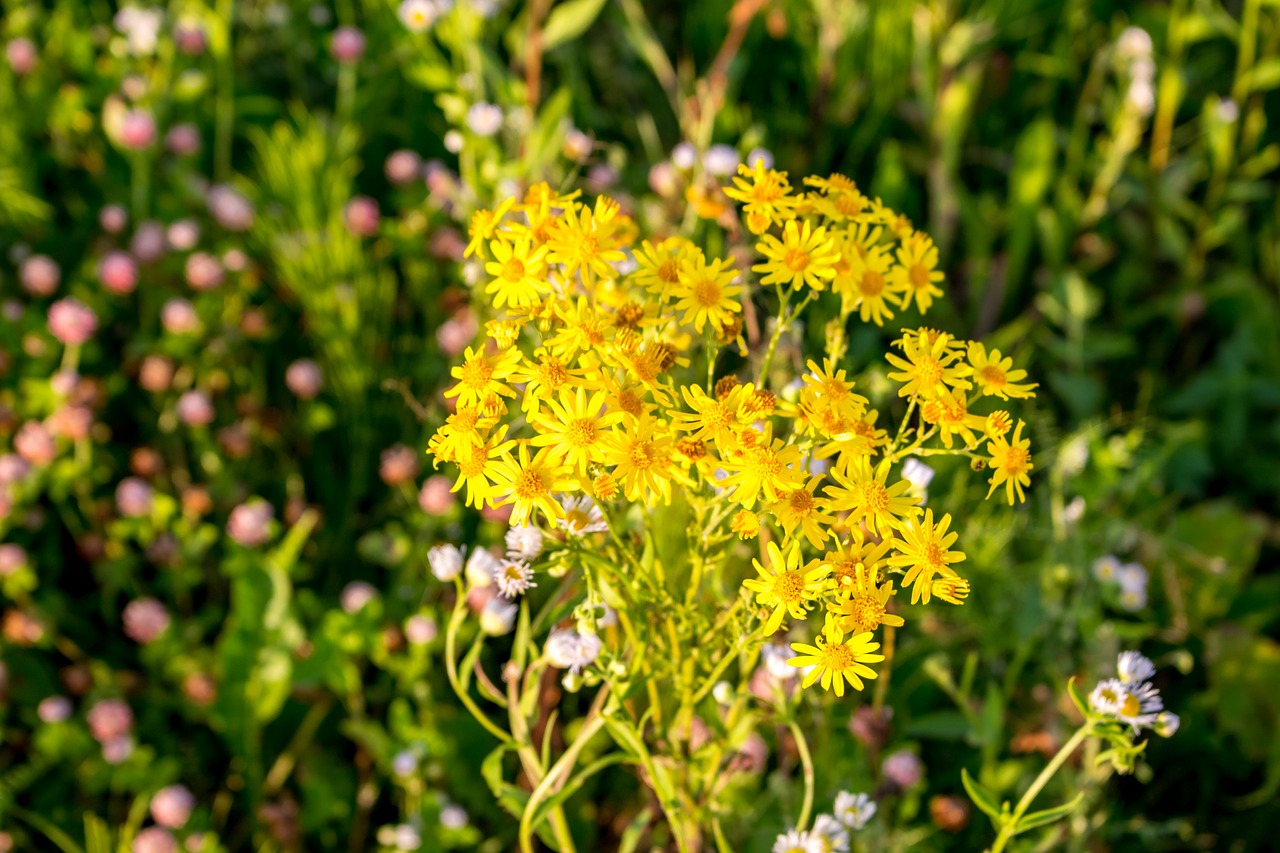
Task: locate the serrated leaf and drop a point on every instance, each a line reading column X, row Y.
column 984, row 798
column 1047, row 816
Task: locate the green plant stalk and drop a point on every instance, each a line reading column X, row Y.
column 225, row 107
column 451, row 665
column 806, row 761
column 1010, row 827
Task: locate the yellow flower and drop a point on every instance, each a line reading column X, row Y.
column 531, row 484
column 712, row 418
column 863, row 606
column 868, row 497
column 625, row 396
column 799, row 508
column 1011, row 461
column 835, row 660
column 860, row 555
column 519, row 273
column 950, row 413
column 928, row 368
column 483, row 225
column 998, row 424
column 576, row 427
column 658, row 267
column 766, row 195
column 460, row 430
column 770, row 465
column 784, row 586
column 923, row 548
column 841, row 198
column 706, row 292
column 480, row 375
column 804, row 256
column 584, row 242
column 746, row 524
column 951, row 590
column 917, row 274
column 479, row 465
column 868, row 286
column 583, row 329
column 545, row 377
column 832, row 390
column 994, row 374
column 861, row 438
column 640, row 452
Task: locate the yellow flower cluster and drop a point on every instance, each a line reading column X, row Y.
column 585, row 387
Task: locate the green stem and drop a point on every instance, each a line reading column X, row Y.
column 1010, row 826
column 806, row 760
column 451, row 666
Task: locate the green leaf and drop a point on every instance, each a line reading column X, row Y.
column 1076, row 699
column 1047, row 816
column 569, row 20
column 984, row 798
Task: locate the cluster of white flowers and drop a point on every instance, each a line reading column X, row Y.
column 1134, row 49
column 568, row 649
column 1132, row 699
column 1130, row 577
column 830, row 833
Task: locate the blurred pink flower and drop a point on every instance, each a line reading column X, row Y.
column 399, row 465
column 108, row 719
column 436, row 497
column 71, row 321
column 34, row 443
column 172, row 806
column 347, row 45
column 133, row 497
column 72, row 422
column 156, row 373
column 113, row 218
column 13, row 469
column 182, row 235
column 232, row 210
column 361, row 216
column 250, row 523
column 183, row 140
column 138, row 130
column 403, row 166
column 148, row 243
column 190, row 38
column 903, row 769
column 356, row 595
column 203, row 271
column 118, row 273
column 155, row 839
column 22, row 55
column 178, row 316
column 195, row 409
column 304, row 378
column 40, row 275
column 117, row 749
column 456, row 333
column 145, row 619
column 54, row 709
column 420, row 629
column 12, row 558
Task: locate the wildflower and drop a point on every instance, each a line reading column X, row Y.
column 567, row 649
column 994, row 374
column 420, row 630
column 519, row 271
column 1106, row 568
column 805, row 256
column 928, row 368
column 784, row 586
column 481, row 568
column 347, row 45
column 498, row 617
column 524, row 541
column 862, row 606
column 304, row 379
column 705, row 292
column 1010, row 461
column 918, row 474
column 917, row 274
column 862, row 280
column 480, row 376
column 483, row 225
column 40, row 275
column 712, row 418
column 54, row 709
column 479, row 467
column 836, row 661
column 529, row 483
column 581, row 516
column 903, row 769
column 865, row 492
column 1166, row 724
column 830, row 833
column 513, row 577
column 145, row 619
column 1132, row 577
column 640, row 453
column 769, row 466
column 356, row 595
column 1134, row 668
column 585, row 244
column 576, row 428
column 924, row 549
column 250, row 523
column 799, row 508
column 764, row 193
column 417, row 15
column 795, row 841
column 1133, row 600
column 746, row 524
column 854, row 810
column 832, row 391
column 155, row 839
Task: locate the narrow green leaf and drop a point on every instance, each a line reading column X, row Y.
column 569, row 20
column 1047, row 816
column 983, row 797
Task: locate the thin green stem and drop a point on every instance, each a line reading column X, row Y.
column 225, row 106
column 806, row 761
column 1010, row 827
column 451, row 666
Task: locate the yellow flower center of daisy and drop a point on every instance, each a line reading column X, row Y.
column 669, row 271
column 1108, row 695
column 473, row 463
column 513, row 270
column 630, row 402
column 691, row 448
column 934, row 556
column 796, row 260
column 919, row 276
column 552, row 374
column 476, row 373
column 866, row 611
column 788, row 587
column 465, row 420
column 929, row 371
column 1015, row 461
column 801, row 502
column 529, row 484
column 581, row 432
column 1131, row 706
column 992, row 375
column 642, row 455
column 836, row 657
column 576, row 519
column 849, row 205
column 707, row 293
column 629, row 316
column 845, row 572
column 481, row 223
column 875, row 498
column 872, row 283
column 588, row 247
column 717, row 417
column 765, row 463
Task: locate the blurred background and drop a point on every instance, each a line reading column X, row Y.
column 232, row 279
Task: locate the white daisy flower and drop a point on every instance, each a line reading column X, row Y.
column 418, row 15
column 854, row 810
column 481, row 567
column 581, row 516
column 918, row 474
column 1132, row 576
column 1133, row 600
column 775, row 657
column 445, row 562
column 498, row 617
column 1106, row 568
column 1140, row 707
column 832, row 834
column 1109, row 696
column 524, row 542
column 567, row 649
column 1134, row 668
column 795, row 841
column 513, row 577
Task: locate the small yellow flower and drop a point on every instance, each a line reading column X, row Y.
column 799, row 507
column 584, row 242
column 805, row 256
column 519, row 273
column 769, row 466
column 712, row 418
column 1010, row 461
column 833, row 391
column 784, row 586
column 951, row 590
column 640, row 451
column 835, row 660
column 479, row 467
column 863, row 607
column 658, row 267
column 865, row 492
column 706, row 292
column 483, row 225
column 530, row 484
column 582, row 329
column 766, row 195
column 923, row 548
column 994, row 374
column 917, row 275
column 576, row 427
column 998, row 424
column 746, row 524
column 859, row 557
column 928, row 367
column 865, row 283
column 480, row 375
